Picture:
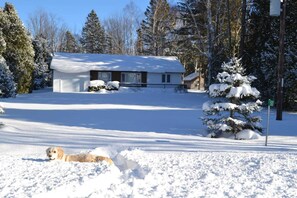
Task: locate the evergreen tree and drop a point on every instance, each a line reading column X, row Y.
column 19, row 53
column 139, row 43
column 7, row 85
column 202, row 35
column 93, row 35
column 109, row 49
column 70, row 43
column 262, row 60
column 263, row 32
column 290, row 74
column 232, row 112
column 189, row 35
column 41, row 73
column 156, row 26
column 191, row 15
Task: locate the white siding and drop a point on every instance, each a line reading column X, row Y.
column 70, row 82
column 155, row 80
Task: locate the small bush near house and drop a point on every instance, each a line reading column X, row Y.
column 112, row 85
column 96, row 85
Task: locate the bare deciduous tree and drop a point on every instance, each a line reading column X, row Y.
column 115, row 31
column 47, row 25
column 122, row 30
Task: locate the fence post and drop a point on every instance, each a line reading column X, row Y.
column 270, row 104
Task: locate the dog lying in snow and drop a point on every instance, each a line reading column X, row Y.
column 57, row 153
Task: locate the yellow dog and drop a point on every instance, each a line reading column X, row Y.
column 57, row 153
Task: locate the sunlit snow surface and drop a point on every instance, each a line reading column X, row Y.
column 154, row 136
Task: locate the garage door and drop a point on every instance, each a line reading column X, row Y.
column 66, row 82
column 70, row 85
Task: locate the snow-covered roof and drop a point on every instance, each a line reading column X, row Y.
column 191, row 76
column 76, row 63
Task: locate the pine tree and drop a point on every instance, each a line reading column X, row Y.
column 93, row 35
column 19, row 53
column 189, row 34
column 204, row 39
column 290, row 75
column 7, row 85
column 109, row 48
column 41, row 73
column 263, row 32
column 262, row 60
column 158, row 23
column 232, row 112
column 70, row 43
column 139, row 43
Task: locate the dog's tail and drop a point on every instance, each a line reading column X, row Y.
column 107, row 159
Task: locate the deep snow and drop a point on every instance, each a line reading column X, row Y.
column 154, row 136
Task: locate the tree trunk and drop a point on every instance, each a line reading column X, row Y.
column 229, row 29
column 210, row 37
column 243, row 29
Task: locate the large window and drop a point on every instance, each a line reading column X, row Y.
column 131, row 78
column 166, row 78
column 105, row 76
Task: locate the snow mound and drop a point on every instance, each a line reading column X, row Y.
column 247, row 134
column 103, row 151
column 129, row 167
column 1, row 108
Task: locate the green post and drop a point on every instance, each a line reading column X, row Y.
column 270, row 104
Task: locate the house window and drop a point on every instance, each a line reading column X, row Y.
column 131, row 78
column 166, row 78
column 105, row 76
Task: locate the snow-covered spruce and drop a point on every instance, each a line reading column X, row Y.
column 237, row 100
column 19, row 52
column 42, row 57
column 7, row 84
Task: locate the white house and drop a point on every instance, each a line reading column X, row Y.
column 72, row 72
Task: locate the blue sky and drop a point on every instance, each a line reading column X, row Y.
column 74, row 12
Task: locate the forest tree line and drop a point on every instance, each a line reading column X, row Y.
column 201, row 33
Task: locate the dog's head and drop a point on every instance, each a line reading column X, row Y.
column 55, row 153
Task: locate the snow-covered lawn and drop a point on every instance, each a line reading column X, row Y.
column 155, row 138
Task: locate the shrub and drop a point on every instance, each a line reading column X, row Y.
column 112, row 85
column 96, row 85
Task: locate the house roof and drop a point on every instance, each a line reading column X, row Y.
column 191, row 76
column 76, row 63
